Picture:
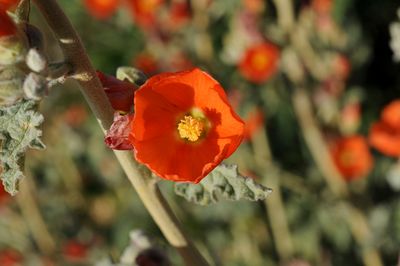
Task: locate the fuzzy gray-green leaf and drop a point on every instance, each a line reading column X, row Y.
column 18, row 132
column 223, row 182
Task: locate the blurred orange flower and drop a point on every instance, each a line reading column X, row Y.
column 120, row 93
column 75, row 115
column 4, row 196
column 7, row 27
column 101, row 9
column 260, row 62
column 384, row 135
column 178, row 15
column 341, row 67
column 322, row 7
column 146, row 63
column 391, row 114
column 254, row 121
column 7, row 4
column 10, row 257
column 144, row 11
column 75, row 251
column 183, row 125
column 352, row 156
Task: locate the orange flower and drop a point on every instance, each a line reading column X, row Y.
column 341, row 67
column 385, row 139
column 8, row 4
column 183, row 125
column 384, row 135
column 75, row 116
column 120, row 93
column 254, row 6
column 322, row 6
column 352, row 157
column 7, row 27
column 101, row 9
column 260, row 62
column 391, row 114
column 146, row 63
column 4, row 196
column 144, row 11
column 75, row 251
column 178, row 15
column 10, row 257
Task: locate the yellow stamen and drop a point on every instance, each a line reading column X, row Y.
column 190, row 128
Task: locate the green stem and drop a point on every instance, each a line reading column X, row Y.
column 92, row 90
column 274, row 203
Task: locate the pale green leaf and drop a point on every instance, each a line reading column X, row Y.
column 224, row 182
column 18, row 132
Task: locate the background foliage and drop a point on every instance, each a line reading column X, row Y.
column 87, row 208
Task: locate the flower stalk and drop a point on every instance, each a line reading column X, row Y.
column 92, row 90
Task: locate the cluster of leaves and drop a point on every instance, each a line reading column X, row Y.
column 18, row 131
column 224, row 181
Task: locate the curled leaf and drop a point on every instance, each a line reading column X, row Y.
column 223, row 182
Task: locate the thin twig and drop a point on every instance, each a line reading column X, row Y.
column 315, row 142
column 32, row 216
column 274, row 203
column 93, row 92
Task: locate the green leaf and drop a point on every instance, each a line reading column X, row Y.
column 18, row 132
column 223, row 182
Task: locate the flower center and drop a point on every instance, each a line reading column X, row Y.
column 191, row 128
column 260, row 61
column 347, row 158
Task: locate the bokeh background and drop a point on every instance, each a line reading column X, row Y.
column 311, row 96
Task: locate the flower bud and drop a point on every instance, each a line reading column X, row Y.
column 11, row 80
column 132, row 75
column 35, row 87
column 36, row 60
column 34, row 36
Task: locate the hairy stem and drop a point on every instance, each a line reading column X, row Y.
column 92, row 90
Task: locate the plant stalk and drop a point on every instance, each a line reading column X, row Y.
column 92, row 90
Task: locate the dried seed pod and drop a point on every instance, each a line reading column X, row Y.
column 35, row 87
column 36, row 60
column 12, row 50
column 11, row 80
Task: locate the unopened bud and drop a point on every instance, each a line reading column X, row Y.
column 152, row 256
column 12, row 50
column 35, row 87
column 34, row 36
column 11, row 80
column 132, row 75
column 36, row 60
